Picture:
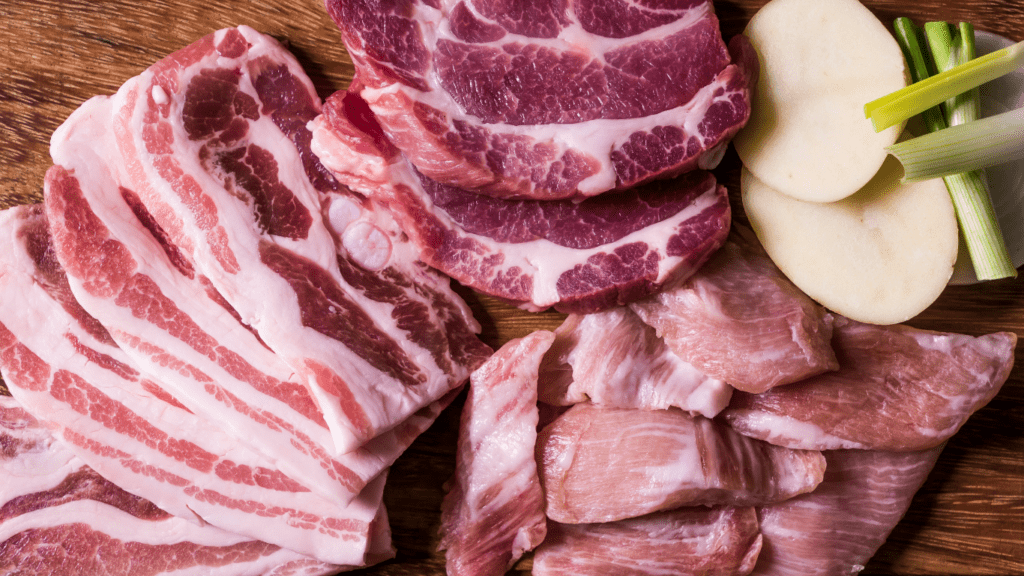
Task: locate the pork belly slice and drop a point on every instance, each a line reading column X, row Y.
column 577, row 257
column 613, row 359
column 58, row 516
column 898, row 388
column 603, row 464
column 125, row 426
column 494, row 509
column 718, row 541
column 739, row 319
column 168, row 318
column 837, row 528
column 548, row 100
column 213, row 139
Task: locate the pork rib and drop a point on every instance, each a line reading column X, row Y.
column 213, row 139
column 57, row 514
column 547, row 99
column 129, row 429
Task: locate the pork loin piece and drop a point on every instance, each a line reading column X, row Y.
column 837, row 528
column 494, row 509
column 171, row 321
column 613, row 359
column 739, row 319
column 213, row 139
column 603, row 464
column 128, row 428
column 898, row 388
column 578, row 257
column 548, row 99
column 718, row 541
column 58, row 516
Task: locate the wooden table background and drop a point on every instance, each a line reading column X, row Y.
column 967, row 519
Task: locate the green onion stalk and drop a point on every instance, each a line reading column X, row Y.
column 933, row 155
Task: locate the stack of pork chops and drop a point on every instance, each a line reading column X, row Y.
column 233, row 313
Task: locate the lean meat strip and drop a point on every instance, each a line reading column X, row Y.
column 127, row 428
column 213, row 140
column 174, row 325
column 739, row 319
column 58, row 516
column 577, row 257
column 494, row 509
column 613, row 359
column 720, row 541
column 898, row 388
column 548, row 99
column 837, row 528
column 603, row 464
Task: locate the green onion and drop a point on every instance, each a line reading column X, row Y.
column 935, row 151
column 894, row 108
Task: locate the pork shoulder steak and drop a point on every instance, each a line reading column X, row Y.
column 549, row 99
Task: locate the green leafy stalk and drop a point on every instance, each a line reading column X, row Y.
column 894, row 108
column 975, row 214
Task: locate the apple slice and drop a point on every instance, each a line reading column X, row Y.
column 821, row 61
column 881, row 255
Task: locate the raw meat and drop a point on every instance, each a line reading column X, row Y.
column 612, row 358
column 213, row 139
column 603, row 464
column 58, row 516
column 578, row 257
column 494, row 509
column 686, row 541
column 170, row 321
column 898, row 388
column 739, row 319
column 130, row 430
column 837, row 528
column 548, row 99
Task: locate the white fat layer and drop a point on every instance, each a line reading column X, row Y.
column 789, row 432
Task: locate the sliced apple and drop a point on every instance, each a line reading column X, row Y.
column 821, row 61
column 881, row 255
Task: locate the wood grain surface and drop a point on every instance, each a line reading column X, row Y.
column 967, row 519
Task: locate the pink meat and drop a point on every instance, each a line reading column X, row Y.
column 175, row 326
column 602, row 464
column 719, row 541
column 125, row 426
column 494, row 509
column 58, row 516
column 837, row 528
column 613, row 359
column 213, row 139
column 898, row 388
column 576, row 256
column 739, row 319
column 548, row 100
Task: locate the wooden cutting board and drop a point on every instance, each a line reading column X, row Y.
column 967, row 519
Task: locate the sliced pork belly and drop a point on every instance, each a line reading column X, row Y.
column 127, row 428
column 548, row 100
column 494, row 509
column 739, row 319
column 58, row 516
column 603, row 464
column 167, row 317
column 837, row 528
column 213, row 140
column 686, row 541
column 898, row 388
column 577, row 257
column 612, row 358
